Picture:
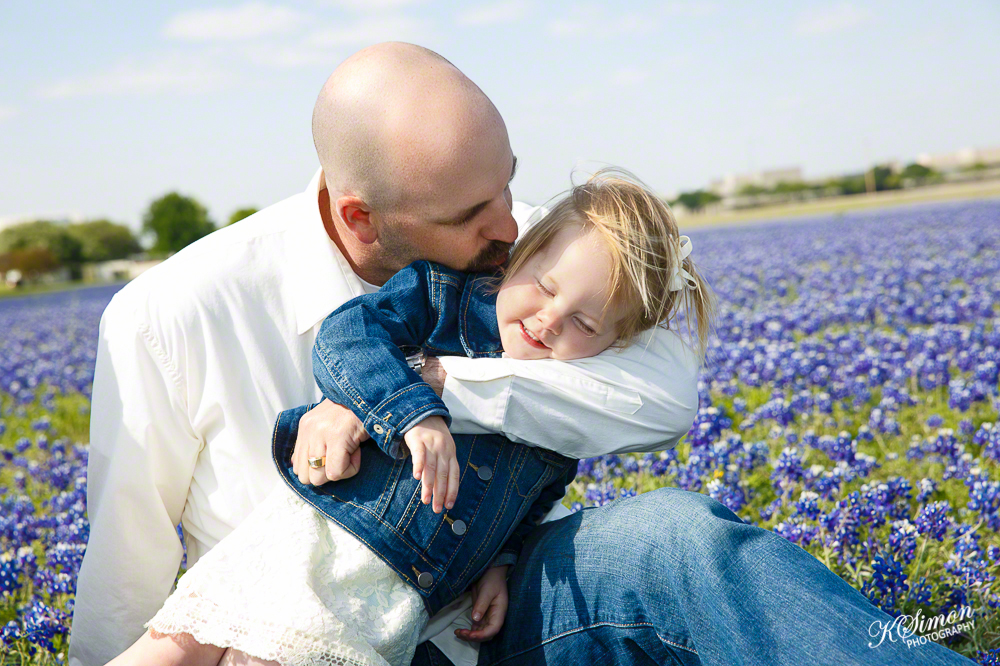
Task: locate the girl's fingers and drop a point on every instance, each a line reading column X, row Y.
column 441, row 486
column 417, row 452
column 454, row 475
column 428, row 479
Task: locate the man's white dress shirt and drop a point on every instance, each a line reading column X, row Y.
column 197, row 357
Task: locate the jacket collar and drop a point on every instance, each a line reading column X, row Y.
column 480, row 332
column 320, row 277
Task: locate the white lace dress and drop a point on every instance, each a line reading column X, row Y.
column 290, row 586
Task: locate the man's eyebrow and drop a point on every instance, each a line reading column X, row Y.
column 470, row 213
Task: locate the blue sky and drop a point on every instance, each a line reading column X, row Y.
column 106, row 105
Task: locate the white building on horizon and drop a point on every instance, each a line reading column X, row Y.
column 730, row 184
column 958, row 159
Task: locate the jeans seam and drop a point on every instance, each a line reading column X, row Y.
column 592, row 626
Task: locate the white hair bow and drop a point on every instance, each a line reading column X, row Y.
column 681, row 279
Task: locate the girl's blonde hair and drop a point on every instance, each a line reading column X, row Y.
column 641, row 235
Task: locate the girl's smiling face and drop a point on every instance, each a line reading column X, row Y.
column 553, row 306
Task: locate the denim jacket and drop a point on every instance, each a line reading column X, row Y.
column 505, row 488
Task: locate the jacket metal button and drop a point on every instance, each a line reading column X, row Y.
column 425, row 580
column 458, row 527
column 485, row 473
column 379, row 429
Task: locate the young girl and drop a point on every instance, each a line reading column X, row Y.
column 350, row 572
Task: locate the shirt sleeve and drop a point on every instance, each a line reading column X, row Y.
column 641, row 398
column 358, row 363
column 142, row 456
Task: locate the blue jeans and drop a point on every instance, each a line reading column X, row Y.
column 674, row 577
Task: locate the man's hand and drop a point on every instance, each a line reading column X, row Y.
column 489, row 606
column 330, row 430
column 434, row 374
column 434, row 461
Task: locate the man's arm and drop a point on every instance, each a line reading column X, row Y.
column 642, row 398
column 142, row 455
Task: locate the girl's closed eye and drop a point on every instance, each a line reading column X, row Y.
column 584, row 328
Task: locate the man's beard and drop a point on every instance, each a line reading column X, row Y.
column 488, row 258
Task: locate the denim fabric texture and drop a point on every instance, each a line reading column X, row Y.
column 674, row 577
column 505, row 488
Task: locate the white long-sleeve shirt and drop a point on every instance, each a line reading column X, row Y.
column 196, row 358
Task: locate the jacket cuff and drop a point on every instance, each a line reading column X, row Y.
column 393, row 417
column 504, row 560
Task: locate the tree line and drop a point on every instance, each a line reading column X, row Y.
column 171, row 223
column 880, row 178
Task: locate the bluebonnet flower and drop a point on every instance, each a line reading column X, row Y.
column 903, row 540
column 808, row 506
column 887, row 583
column 933, row 520
column 989, row 657
column 927, row 488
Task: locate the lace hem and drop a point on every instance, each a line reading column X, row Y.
column 211, row 624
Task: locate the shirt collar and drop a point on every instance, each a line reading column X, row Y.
column 321, row 278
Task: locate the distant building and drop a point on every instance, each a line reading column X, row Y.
column 117, row 270
column 958, row 159
column 731, row 184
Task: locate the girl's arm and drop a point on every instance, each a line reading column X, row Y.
column 357, row 361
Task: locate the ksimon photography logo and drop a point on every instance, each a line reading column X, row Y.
column 920, row 630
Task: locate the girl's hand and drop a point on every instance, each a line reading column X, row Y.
column 489, row 606
column 434, row 462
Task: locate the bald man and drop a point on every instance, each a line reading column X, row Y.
column 197, row 357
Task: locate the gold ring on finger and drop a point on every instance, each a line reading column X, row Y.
column 317, row 463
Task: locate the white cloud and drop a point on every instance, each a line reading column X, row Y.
column 288, row 56
column 694, row 9
column 831, row 19
column 594, row 20
column 493, row 14
column 254, row 19
column 368, row 6
column 7, row 112
column 370, row 30
column 171, row 74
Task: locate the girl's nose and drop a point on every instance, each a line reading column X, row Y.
column 550, row 321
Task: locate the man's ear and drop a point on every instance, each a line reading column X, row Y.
column 356, row 216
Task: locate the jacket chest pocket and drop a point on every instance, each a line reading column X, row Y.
column 413, row 519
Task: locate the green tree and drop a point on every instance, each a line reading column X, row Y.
column 30, row 261
column 51, row 236
column 176, row 221
column 854, row 184
column 750, row 190
column 696, row 200
column 103, row 240
column 917, row 172
column 885, row 179
column 241, row 214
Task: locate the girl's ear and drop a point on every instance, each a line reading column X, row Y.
column 356, row 216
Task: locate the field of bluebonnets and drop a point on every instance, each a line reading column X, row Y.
column 848, row 404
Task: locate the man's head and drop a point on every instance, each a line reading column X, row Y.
column 416, row 161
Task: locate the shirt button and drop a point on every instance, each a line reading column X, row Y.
column 485, row 473
column 379, row 429
column 458, row 527
column 425, row 580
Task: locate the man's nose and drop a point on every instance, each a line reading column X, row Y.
column 501, row 225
